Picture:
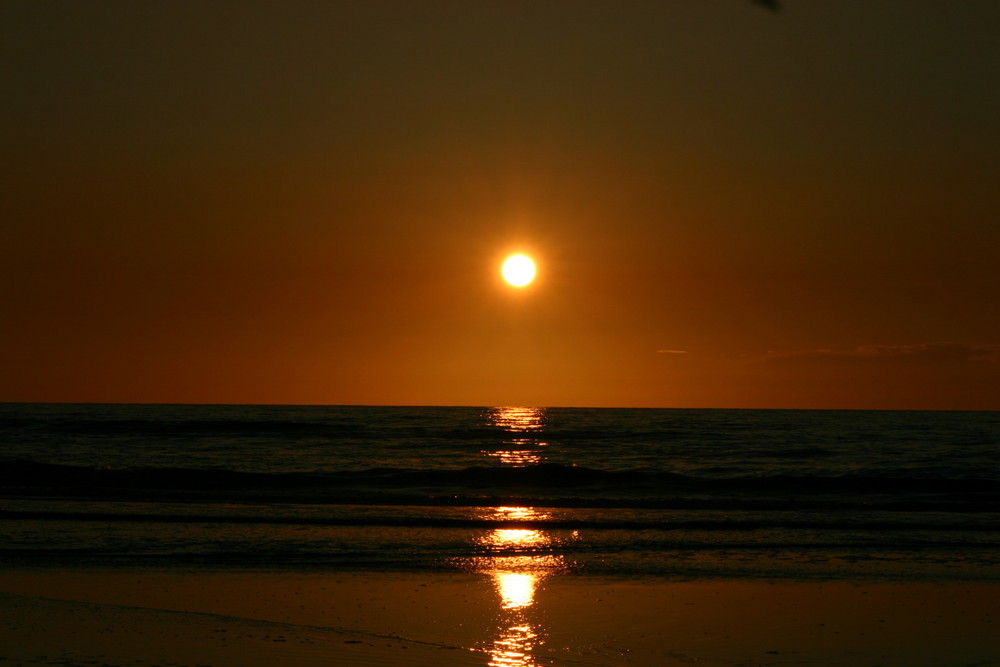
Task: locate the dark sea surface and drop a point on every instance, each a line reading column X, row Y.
column 680, row 493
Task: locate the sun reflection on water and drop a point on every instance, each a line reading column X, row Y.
column 517, row 589
column 522, row 446
column 513, row 647
column 518, row 514
column 516, row 580
column 514, row 538
column 521, row 453
column 517, row 637
column 517, row 560
column 517, row 419
column 519, row 557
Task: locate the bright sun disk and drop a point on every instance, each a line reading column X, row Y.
column 518, row 270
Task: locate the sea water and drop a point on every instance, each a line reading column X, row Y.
column 684, row 493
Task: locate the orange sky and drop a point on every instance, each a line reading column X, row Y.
column 309, row 202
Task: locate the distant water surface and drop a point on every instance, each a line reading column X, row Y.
column 677, row 492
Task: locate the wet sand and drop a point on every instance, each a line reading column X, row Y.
column 515, row 619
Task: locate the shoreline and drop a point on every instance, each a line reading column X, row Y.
column 507, row 614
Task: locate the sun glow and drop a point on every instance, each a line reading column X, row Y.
column 518, row 270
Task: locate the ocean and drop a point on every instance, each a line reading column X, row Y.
column 910, row 495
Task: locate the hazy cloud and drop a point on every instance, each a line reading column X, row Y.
column 671, row 351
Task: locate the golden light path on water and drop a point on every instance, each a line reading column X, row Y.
column 516, row 574
column 517, row 559
column 522, row 427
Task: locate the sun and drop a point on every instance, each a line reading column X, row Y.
column 518, row 270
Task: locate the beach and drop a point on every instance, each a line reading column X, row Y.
column 190, row 618
column 242, row 536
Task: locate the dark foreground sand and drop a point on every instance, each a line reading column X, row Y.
column 172, row 618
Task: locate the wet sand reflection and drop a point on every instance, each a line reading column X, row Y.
column 517, row 560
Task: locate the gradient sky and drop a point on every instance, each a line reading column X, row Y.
column 308, row 202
